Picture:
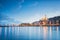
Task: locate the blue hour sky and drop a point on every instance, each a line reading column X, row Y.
column 17, row 11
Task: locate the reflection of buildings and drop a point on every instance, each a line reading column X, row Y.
column 50, row 30
column 45, row 32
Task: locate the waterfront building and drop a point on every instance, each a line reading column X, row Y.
column 44, row 20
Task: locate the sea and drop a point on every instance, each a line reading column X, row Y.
column 30, row 33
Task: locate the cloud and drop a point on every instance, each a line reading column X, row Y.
column 34, row 4
column 7, row 20
column 19, row 4
column 19, row 7
column 0, row 5
column 31, row 19
column 3, row 17
column 20, row 1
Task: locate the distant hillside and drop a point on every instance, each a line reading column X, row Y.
column 53, row 20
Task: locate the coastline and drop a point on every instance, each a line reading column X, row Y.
column 34, row 26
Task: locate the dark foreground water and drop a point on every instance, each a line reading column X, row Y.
column 30, row 33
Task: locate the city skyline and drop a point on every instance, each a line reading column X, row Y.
column 27, row 11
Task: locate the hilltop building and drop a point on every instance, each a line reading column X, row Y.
column 44, row 20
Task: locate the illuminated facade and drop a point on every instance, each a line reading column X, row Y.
column 44, row 20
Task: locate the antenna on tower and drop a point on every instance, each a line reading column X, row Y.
column 45, row 15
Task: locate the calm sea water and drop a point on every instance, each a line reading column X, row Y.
column 30, row 33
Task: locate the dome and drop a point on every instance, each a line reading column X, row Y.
column 44, row 18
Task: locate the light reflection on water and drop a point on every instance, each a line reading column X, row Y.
column 30, row 33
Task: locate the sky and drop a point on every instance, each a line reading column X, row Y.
column 27, row 11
